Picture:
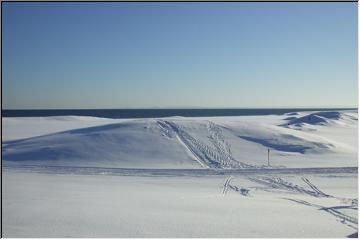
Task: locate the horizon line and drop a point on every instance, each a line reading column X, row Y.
column 180, row 108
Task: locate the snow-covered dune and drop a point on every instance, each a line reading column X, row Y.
column 217, row 142
column 15, row 128
column 182, row 177
column 137, row 143
column 322, row 118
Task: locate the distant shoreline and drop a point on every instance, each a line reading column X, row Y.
column 158, row 112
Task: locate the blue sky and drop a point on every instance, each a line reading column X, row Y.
column 135, row 55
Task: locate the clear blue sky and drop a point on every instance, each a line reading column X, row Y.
column 131, row 55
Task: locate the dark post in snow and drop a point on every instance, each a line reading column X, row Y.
column 268, row 157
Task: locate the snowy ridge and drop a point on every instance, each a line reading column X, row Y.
column 320, row 118
column 181, row 143
column 182, row 177
column 289, row 143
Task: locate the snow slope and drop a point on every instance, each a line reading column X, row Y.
column 15, row 128
column 181, row 177
column 322, row 118
column 218, row 142
column 112, row 145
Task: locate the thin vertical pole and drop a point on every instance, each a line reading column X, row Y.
column 268, row 157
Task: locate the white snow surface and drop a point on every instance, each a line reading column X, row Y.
column 64, row 205
column 15, row 128
column 213, row 142
column 75, row 176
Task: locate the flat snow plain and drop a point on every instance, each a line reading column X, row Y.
column 181, row 177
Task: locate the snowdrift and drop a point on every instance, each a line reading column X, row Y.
column 129, row 144
column 320, row 118
column 222, row 142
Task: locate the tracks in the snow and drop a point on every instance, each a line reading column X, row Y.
column 226, row 185
column 223, row 148
column 345, row 212
column 279, row 183
column 335, row 211
column 316, row 191
column 216, row 156
column 276, row 183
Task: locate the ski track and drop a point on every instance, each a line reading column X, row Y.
column 313, row 187
column 169, row 132
column 165, row 128
column 342, row 217
column 279, row 183
column 226, row 185
column 223, row 147
column 216, row 156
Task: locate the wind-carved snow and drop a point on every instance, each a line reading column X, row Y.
column 178, row 176
column 183, row 143
column 289, row 143
column 319, row 118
